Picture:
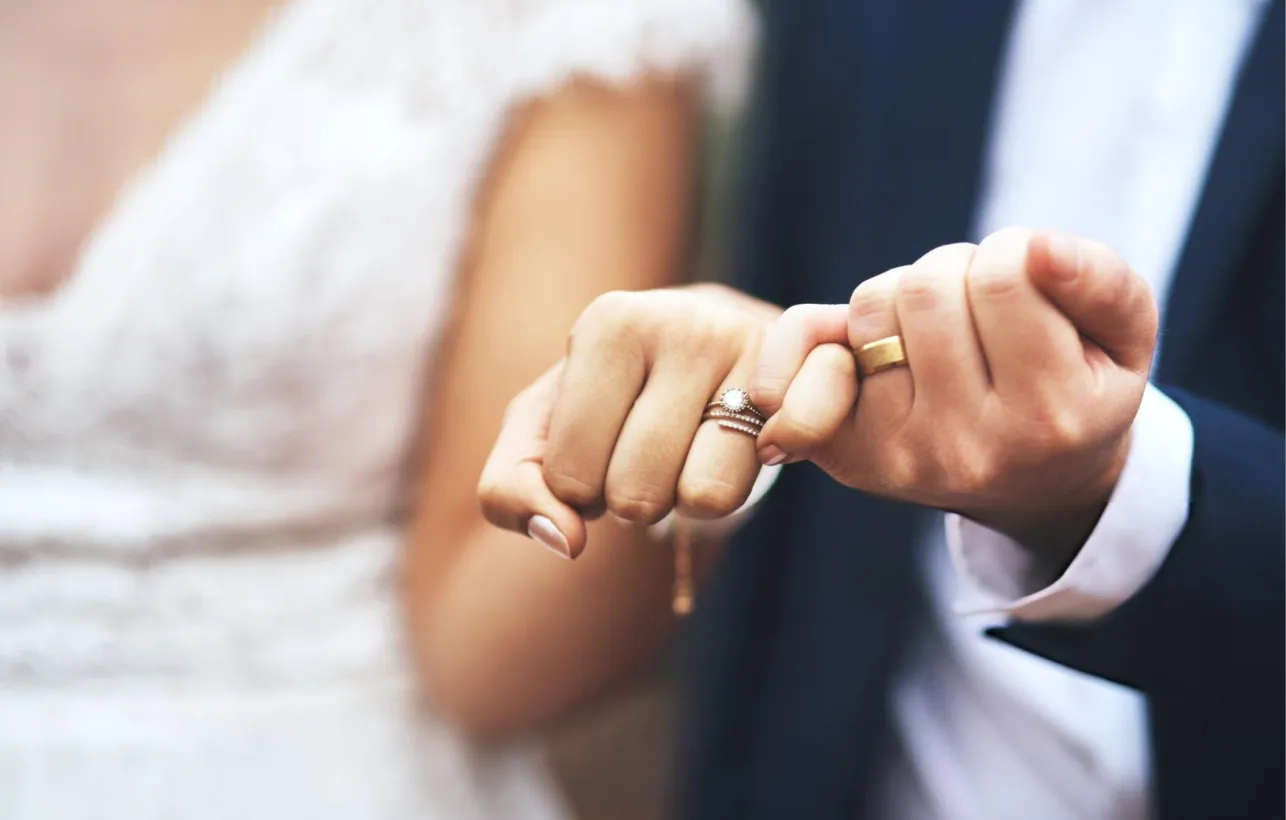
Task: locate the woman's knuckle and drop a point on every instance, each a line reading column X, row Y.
column 490, row 499
column 714, row 332
column 489, row 486
column 639, row 504
column 838, row 362
column 735, row 328
column 570, row 488
column 798, row 431
column 497, row 499
column 607, row 315
column 1012, row 242
column 796, row 316
column 710, row 496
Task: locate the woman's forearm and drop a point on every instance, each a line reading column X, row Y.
column 590, row 193
column 517, row 636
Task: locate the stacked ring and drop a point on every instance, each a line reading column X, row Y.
column 733, row 411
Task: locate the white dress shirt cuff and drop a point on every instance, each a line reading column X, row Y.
column 1147, row 511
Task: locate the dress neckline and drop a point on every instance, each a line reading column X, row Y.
column 146, row 176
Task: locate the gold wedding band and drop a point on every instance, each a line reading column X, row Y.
column 880, row 355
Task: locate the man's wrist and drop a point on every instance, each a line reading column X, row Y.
column 1054, row 535
column 1129, row 541
column 1053, row 538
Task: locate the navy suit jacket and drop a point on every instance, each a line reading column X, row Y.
column 865, row 151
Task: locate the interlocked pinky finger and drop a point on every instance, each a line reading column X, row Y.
column 820, row 399
column 788, row 342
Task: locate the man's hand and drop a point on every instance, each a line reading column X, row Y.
column 1028, row 355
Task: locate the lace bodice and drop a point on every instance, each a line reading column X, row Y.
column 204, row 434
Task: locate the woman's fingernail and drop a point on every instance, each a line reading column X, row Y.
column 772, row 455
column 541, row 530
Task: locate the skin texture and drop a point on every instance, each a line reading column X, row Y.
column 589, row 193
column 89, row 92
column 1029, row 354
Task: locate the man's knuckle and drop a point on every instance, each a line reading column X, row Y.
column 901, row 469
column 1000, row 263
column 1052, row 428
column 976, row 470
column 945, row 260
column 794, row 314
column 872, row 304
column 920, row 289
column 1066, row 429
column 1121, row 291
column 1010, row 241
column 871, row 299
column 997, row 282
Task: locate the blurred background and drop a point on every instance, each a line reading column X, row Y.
column 269, row 270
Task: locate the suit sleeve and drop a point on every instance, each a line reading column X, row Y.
column 1212, row 615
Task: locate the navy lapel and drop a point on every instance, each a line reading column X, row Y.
column 1245, row 173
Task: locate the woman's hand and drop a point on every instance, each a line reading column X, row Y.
column 616, row 425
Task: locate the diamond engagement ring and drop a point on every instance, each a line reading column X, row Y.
column 733, row 411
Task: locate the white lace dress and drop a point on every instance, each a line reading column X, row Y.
column 204, row 434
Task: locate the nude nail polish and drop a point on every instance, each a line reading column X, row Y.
column 541, row 530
